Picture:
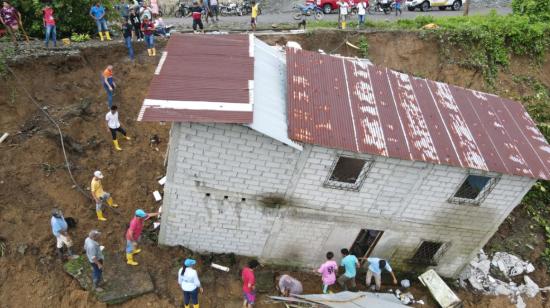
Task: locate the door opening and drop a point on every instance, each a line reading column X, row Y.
column 365, row 242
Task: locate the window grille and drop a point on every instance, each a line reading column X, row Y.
column 429, row 253
column 474, row 189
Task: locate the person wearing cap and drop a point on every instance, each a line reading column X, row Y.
column 95, row 256
column 113, row 125
column 133, row 234
column 59, row 230
column 100, row 196
column 188, row 279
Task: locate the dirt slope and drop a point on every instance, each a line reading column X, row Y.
column 32, row 178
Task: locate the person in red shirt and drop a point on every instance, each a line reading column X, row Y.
column 148, row 29
column 249, row 284
column 133, row 234
column 196, row 13
column 49, row 25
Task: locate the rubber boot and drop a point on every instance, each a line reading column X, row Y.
column 136, row 251
column 127, row 138
column 101, row 36
column 343, row 25
column 187, row 306
column 149, row 52
column 111, row 203
column 196, row 306
column 100, row 216
column 154, row 51
column 130, row 259
column 108, row 35
column 117, row 147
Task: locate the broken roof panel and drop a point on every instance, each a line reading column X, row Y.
column 191, row 81
column 349, row 104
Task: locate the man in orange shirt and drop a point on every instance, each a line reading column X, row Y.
column 109, row 84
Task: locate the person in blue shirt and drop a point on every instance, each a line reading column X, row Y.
column 350, row 264
column 375, row 269
column 59, row 230
column 98, row 14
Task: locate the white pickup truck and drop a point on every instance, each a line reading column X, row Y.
column 425, row 5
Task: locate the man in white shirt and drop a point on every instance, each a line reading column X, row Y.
column 114, row 126
column 342, row 17
column 361, row 12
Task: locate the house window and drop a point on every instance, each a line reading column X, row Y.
column 347, row 173
column 428, row 253
column 474, row 189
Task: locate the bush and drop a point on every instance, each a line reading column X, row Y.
column 537, row 9
column 72, row 16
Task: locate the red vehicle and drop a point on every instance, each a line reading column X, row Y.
column 330, row 5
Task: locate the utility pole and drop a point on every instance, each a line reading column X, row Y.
column 467, row 7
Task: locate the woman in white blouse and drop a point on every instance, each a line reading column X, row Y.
column 189, row 282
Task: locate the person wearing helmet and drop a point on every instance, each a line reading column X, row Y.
column 133, row 234
column 100, row 196
column 188, row 279
column 60, row 231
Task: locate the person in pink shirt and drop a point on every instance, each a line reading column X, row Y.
column 249, row 283
column 49, row 24
column 133, row 234
column 328, row 271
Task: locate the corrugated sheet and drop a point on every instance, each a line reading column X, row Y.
column 270, row 94
column 352, row 105
column 191, row 83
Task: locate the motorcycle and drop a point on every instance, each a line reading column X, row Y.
column 246, row 8
column 230, row 9
column 183, row 10
column 385, row 6
column 308, row 10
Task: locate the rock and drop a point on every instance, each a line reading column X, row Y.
column 531, row 288
column 520, row 303
column 529, row 268
column 22, row 248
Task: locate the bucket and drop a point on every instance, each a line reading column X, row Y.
column 66, row 41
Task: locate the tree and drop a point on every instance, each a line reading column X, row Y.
column 466, row 7
column 537, row 9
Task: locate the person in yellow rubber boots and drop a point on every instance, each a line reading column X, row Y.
column 133, row 234
column 188, row 279
column 98, row 14
column 100, row 196
column 113, row 124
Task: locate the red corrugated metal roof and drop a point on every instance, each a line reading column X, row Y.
column 351, row 105
column 203, row 78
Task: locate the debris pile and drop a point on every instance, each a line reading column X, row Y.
column 493, row 277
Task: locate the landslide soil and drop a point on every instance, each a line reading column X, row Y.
column 33, row 178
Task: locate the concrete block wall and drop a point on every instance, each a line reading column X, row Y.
column 238, row 166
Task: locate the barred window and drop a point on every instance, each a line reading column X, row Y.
column 474, row 189
column 428, row 253
column 347, row 173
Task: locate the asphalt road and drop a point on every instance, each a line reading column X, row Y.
column 269, row 19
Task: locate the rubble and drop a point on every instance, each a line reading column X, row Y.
column 480, row 275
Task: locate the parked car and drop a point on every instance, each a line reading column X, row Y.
column 330, row 5
column 425, row 5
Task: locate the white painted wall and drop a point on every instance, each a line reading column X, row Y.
column 408, row 200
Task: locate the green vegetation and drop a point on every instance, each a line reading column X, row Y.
column 483, row 43
column 363, row 47
column 72, row 16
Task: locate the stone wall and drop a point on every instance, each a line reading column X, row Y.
column 219, row 176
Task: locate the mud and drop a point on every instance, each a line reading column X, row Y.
column 33, row 178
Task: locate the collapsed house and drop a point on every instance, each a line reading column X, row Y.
column 286, row 156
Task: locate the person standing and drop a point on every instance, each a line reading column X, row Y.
column 148, row 29
column 123, row 9
column 375, row 270
column 145, row 11
column 398, row 4
column 328, row 272
column 361, row 12
column 100, row 196
column 49, row 25
column 350, row 264
column 113, row 124
column 288, row 285
column 95, row 257
column 60, row 231
column 98, row 14
column 343, row 14
column 249, row 283
column 196, row 13
column 133, row 234
column 109, row 84
column 254, row 15
column 136, row 24
column 206, row 9
column 188, row 279
column 214, row 8
column 11, row 19
column 127, row 34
